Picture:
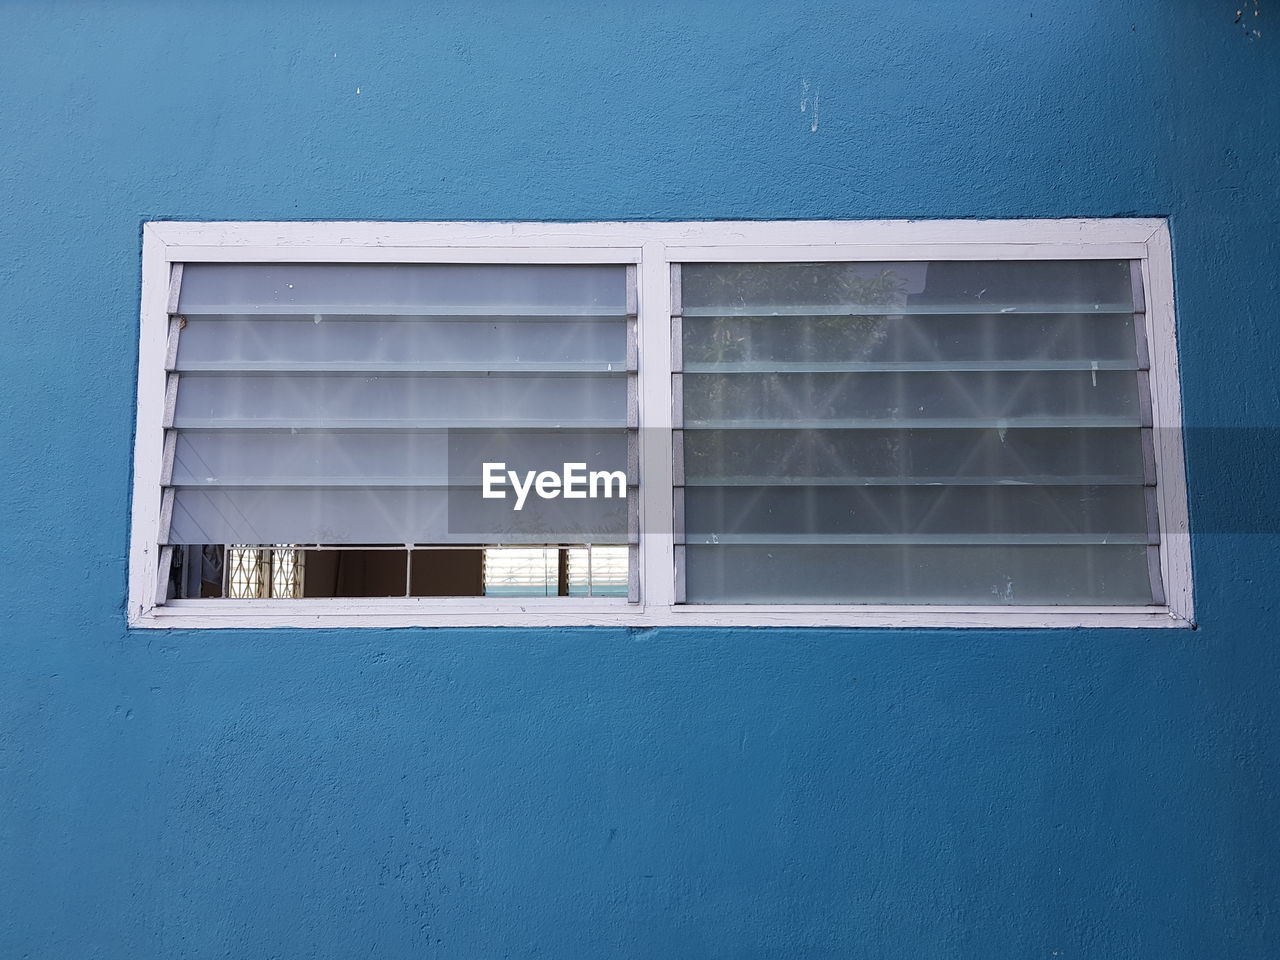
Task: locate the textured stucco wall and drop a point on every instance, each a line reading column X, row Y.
column 613, row 793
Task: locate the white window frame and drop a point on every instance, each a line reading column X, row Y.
column 652, row 247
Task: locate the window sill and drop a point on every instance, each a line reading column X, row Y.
column 557, row 612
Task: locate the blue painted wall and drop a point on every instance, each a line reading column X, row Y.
column 608, row 793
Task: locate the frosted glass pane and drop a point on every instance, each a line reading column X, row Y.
column 355, row 400
column 989, row 337
column 350, row 514
column 945, row 432
column 285, row 342
column 433, row 289
column 351, row 404
column 1083, row 286
column 904, row 397
column 913, row 456
column 383, row 457
column 791, row 511
column 1000, row 575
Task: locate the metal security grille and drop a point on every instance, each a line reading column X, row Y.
column 254, row 573
column 973, row 432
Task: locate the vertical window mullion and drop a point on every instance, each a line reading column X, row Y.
column 657, row 553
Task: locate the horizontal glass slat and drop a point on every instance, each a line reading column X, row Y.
column 371, row 482
column 904, row 309
column 390, row 368
column 1091, row 480
column 339, row 515
column 937, row 423
column 1101, row 574
column 426, row 289
column 912, row 455
column 459, row 312
column 307, row 398
column 385, row 457
column 986, row 339
column 830, row 539
column 868, row 288
column 529, row 322
column 909, row 366
column 910, row 396
column 982, row 511
column 232, row 343
column 192, row 424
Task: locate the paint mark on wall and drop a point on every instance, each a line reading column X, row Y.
column 809, row 104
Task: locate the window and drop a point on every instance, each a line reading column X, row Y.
column 840, row 423
column 346, row 411
column 915, row 432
